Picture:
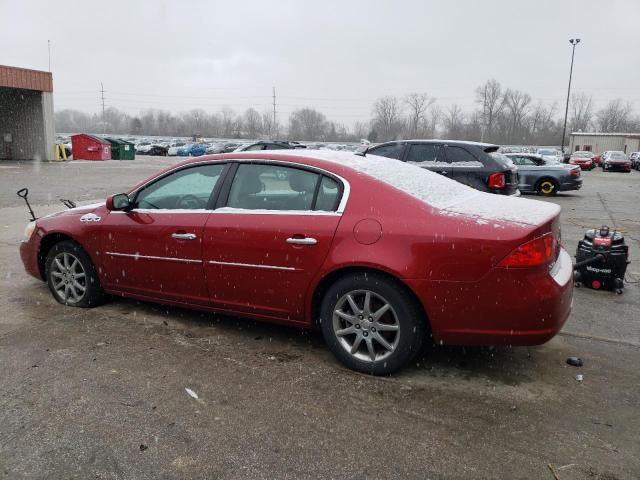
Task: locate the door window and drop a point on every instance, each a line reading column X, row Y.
column 272, row 187
column 253, row 148
column 328, row 195
column 189, row 188
column 425, row 154
column 459, row 157
column 390, row 151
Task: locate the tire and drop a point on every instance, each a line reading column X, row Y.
column 403, row 324
column 72, row 277
column 547, row 187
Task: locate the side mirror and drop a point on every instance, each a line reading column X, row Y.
column 118, row 202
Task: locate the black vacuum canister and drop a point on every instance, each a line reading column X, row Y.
column 601, row 260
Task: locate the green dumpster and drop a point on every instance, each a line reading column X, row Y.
column 121, row 149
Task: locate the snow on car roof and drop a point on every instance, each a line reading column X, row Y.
column 440, row 192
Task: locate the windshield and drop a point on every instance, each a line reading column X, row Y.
column 582, row 155
column 544, row 151
column 618, row 156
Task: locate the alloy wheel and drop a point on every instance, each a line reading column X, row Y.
column 68, row 278
column 366, row 325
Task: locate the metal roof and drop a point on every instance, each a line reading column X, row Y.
column 605, row 134
column 15, row 77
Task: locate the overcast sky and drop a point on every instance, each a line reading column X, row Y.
column 337, row 56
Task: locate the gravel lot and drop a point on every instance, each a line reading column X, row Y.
column 101, row 393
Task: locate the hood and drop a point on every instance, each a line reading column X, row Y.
column 77, row 211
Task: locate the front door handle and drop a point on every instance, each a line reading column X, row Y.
column 302, row 241
column 184, row 236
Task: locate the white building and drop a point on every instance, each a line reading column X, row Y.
column 26, row 114
column 602, row 142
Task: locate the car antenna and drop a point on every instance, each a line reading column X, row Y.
column 24, row 193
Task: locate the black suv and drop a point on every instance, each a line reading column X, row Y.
column 478, row 165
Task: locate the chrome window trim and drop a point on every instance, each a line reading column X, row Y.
column 151, row 257
column 346, row 188
column 253, row 265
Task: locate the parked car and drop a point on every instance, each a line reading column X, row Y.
column 192, row 150
column 583, row 159
column 550, row 154
column 615, row 160
column 265, row 145
column 157, row 151
column 537, row 175
column 173, row 148
column 143, row 147
column 222, row 234
column 478, row 165
column 634, row 158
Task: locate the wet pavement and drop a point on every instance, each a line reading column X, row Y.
column 102, row 393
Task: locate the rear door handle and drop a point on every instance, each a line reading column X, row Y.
column 302, row 241
column 443, row 172
column 184, row 236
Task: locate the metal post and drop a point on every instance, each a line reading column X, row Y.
column 104, row 126
column 566, row 110
column 274, row 109
column 49, row 51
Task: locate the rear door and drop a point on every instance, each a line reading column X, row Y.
column 272, row 234
column 465, row 167
column 430, row 156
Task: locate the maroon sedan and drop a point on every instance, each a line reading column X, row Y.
column 377, row 253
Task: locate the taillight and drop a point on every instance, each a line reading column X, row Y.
column 497, row 180
column 536, row 252
column 575, row 172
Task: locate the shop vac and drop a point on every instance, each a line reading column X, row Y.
column 602, row 257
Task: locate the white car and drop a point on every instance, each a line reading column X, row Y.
column 173, row 148
column 550, row 154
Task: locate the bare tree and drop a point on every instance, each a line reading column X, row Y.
column 308, row 124
column 417, row 104
column 454, row 122
column 581, row 112
column 386, row 117
column 252, row 123
column 615, row 117
column 517, row 105
column 492, row 101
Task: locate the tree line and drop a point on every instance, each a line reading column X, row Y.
column 501, row 115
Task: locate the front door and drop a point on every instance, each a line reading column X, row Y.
column 263, row 248
column 155, row 249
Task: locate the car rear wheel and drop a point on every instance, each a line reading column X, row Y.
column 71, row 276
column 371, row 323
column 547, row 187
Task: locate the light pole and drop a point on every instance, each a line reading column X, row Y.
column 573, row 43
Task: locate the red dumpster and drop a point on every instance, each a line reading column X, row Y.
column 89, row 147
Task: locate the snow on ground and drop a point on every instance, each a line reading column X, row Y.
column 440, row 192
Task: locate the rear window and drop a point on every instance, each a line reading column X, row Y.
column 502, row 159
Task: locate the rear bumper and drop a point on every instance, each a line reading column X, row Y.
column 506, row 307
column 574, row 184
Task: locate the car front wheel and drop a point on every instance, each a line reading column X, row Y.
column 71, row 276
column 372, row 323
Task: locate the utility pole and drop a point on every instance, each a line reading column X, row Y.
column 104, row 125
column 49, row 50
column 566, row 110
column 274, row 109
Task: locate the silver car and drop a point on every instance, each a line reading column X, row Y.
column 544, row 177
